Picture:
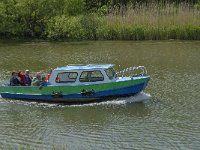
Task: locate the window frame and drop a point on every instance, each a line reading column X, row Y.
column 90, row 78
column 75, row 79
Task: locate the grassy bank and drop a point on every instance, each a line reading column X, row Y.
column 142, row 22
column 153, row 23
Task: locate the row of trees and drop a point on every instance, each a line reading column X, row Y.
column 31, row 18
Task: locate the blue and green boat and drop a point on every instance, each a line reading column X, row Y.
column 82, row 84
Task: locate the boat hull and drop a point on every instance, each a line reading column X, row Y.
column 81, row 94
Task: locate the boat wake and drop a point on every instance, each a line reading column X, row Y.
column 139, row 98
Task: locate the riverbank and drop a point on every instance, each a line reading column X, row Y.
column 142, row 22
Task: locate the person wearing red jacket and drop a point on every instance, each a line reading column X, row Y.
column 22, row 79
column 48, row 75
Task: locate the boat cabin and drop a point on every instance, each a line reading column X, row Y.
column 83, row 74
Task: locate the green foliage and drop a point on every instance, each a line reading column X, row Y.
column 74, row 7
column 64, row 27
column 90, row 24
column 27, row 17
column 197, row 5
column 103, row 10
column 86, row 19
column 149, row 33
column 7, row 17
column 73, row 27
column 34, row 14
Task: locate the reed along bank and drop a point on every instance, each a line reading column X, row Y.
column 75, row 20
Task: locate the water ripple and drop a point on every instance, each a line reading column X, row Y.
column 167, row 118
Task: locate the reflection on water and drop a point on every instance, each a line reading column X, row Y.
column 41, row 124
column 167, row 118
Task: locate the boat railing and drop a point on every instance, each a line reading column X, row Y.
column 133, row 71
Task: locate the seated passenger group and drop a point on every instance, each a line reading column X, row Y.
column 39, row 81
column 24, row 79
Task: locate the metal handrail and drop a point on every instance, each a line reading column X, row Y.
column 132, row 69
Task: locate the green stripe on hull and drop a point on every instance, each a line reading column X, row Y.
column 71, row 89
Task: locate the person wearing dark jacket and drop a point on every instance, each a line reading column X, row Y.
column 28, row 78
column 14, row 80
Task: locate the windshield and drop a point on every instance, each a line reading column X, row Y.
column 110, row 73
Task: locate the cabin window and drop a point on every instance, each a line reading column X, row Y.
column 110, row 73
column 91, row 76
column 66, row 77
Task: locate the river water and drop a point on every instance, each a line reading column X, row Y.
column 167, row 117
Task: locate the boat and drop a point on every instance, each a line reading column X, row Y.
column 82, row 84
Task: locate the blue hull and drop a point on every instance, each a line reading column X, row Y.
column 78, row 98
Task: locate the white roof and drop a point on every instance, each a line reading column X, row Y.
column 85, row 67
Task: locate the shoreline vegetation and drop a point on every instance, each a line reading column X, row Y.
column 111, row 20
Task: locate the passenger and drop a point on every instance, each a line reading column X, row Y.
column 36, row 80
column 14, row 81
column 43, row 82
column 58, row 78
column 28, row 78
column 48, row 75
column 21, row 76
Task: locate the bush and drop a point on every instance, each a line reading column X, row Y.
column 74, row 7
column 90, row 24
column 64, row 27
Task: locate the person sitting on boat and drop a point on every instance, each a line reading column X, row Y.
column 22, row 78
column 36, row 80
column 43, row 82
column 28, row 78
column 48, row 75
column 14, row 81
column 58, row 78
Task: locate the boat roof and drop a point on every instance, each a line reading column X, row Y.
column 85, row 66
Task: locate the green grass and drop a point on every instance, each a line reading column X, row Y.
column 139, row 22
column 153, row 23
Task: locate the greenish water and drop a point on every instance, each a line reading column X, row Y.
column 167, row 118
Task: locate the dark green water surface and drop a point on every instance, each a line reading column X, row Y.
column 167, row 118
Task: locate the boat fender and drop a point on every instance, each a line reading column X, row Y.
column 87, row 92
column 57, row 94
